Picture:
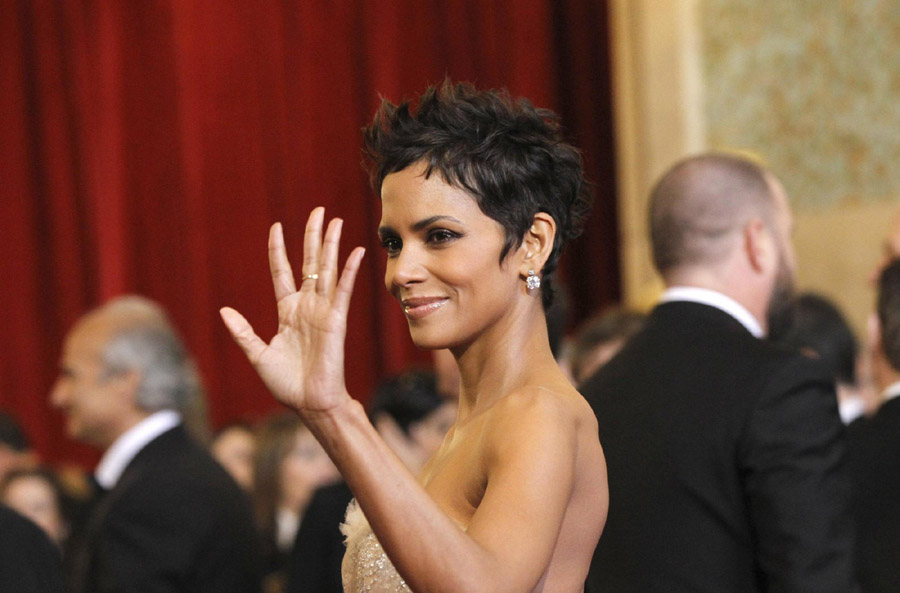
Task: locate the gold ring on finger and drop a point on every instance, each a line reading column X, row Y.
column 310, row 277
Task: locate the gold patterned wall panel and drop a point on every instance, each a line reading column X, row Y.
column 814, row 87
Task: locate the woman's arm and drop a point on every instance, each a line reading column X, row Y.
column 511, row 537
column 529, row 447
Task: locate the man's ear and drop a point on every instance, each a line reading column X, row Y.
column 126, row 383
column 537, row 243
column 759, row 245
column 873, row 333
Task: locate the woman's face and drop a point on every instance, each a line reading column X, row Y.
column 305, row 468
column 33, row 497
column 443, row 259
column 235, row 449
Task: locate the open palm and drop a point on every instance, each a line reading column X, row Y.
column 303, row 364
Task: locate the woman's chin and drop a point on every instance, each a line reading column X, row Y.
column 428, row 340
column 426, row 344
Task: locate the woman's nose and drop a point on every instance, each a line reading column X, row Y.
column 405, row 268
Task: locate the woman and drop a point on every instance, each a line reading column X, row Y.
column 37, row 494
column 234, row 447
column 479, row 194
column 288, row 467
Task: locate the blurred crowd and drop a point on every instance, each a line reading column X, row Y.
column 265, row 514
column 286, row 497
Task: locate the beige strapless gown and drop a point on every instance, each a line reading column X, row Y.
column 366, row 568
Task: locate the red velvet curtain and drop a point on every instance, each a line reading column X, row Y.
column 146, row 147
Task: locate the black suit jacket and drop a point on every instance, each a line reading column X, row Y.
column 724, row 458
column 29, row 562
column 315, row 562
column 174, row 522
column 874, row 459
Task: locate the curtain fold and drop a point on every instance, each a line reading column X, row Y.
column 146, row 147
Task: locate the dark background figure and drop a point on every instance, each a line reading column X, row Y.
column 168, row 517
column 38, row 495
column 289, row 465
column 874, row 453
column 598, row 339
column 413, row 417
column 234, row 447
column 818, row 328
column 29, row 562
column 724, row 451
column 15, row 451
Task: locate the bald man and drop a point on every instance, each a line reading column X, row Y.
column 171, row 519
column 724, row 452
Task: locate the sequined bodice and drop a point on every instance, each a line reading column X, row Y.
column 366, row 568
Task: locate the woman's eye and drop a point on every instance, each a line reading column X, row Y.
column 391, row 245
column 441, row 236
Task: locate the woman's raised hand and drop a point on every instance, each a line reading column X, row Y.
column 303, row 364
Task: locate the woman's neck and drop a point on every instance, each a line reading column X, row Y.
column 503, row 358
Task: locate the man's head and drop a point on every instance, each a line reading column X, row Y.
column 120, row 363
column 721, row 221
column 888, row 340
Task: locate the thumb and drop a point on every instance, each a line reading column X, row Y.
column 243, row 333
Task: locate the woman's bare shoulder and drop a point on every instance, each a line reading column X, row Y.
column 542, row 407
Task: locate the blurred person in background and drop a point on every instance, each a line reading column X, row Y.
column 817, row 328
column 597, row 340
column 168, row 518
column 290, row 464
column 234, row 447
column 412, row 416
column 873, row 447
column 725, row 451
column 15, row 451
column 37, row 494
column 29, row 562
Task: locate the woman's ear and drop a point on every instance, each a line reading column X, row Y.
column 538, row 243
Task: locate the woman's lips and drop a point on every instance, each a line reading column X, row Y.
column 418, row 308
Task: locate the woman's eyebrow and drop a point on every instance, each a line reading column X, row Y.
column 385, row 230
column 418, row 226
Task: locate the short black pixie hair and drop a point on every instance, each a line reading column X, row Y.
column 508, row 154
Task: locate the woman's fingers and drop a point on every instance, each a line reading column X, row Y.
column 329, row 259
column 320, row 258
column 312, row 244
column 243, row 334
column 280, row 267
column 348, row 278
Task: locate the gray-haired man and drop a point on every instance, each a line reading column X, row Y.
column 171, row 519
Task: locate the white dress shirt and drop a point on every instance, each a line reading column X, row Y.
column 892, row 391
column 123, row 450
column 715, row 299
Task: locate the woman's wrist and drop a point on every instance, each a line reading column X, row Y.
column 327, row 424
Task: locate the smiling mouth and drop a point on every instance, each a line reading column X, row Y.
column 420, row 307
